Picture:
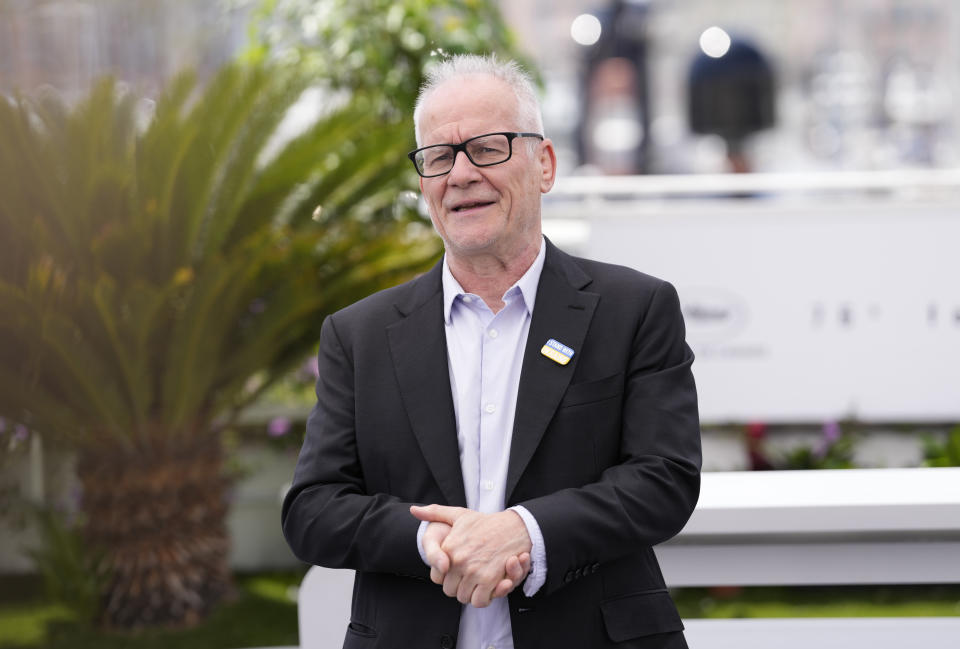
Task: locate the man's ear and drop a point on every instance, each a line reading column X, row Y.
column 548, row 165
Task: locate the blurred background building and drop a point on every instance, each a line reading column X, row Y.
column 67, row 44
column 858, row 84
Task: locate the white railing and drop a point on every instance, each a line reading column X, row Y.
column 856, row 526
column 687, row 185
column 824, row 633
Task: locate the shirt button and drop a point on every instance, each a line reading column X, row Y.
column 491, row 647
column 487, row 485
column 490, row 408
column 494, row 333
column 467, row 299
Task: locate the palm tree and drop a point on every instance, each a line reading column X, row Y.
column 154, row 280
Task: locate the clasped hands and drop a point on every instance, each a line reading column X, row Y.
column 475, row 557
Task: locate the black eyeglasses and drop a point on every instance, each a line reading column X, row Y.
column 482, row 150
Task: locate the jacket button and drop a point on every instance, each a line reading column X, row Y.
column 567, row 578
column 446, row 642
column 595, row 567
column 578, row 573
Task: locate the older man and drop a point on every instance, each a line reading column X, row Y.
column 517, row 426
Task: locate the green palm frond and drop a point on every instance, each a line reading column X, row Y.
column 152, row 272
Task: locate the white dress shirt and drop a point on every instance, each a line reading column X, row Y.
column 485, row 355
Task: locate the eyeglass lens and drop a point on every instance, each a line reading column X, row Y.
column 483, row 150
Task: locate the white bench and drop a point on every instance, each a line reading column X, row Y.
column 858, row 526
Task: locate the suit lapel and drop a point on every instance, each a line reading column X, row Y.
column 419, row 350
column 562, row 311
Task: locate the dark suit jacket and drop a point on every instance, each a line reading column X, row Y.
column 605, row 454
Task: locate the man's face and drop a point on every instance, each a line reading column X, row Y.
column 484, row 210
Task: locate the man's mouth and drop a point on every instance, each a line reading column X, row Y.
column 462, row 207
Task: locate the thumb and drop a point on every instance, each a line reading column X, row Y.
column 437, row 513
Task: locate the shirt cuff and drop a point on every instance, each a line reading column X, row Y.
column 538, row 554
column 420, row 531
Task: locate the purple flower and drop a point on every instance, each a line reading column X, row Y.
column 831, row 433
column 278, row 427
column 20, row 433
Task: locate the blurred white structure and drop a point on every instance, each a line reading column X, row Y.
column 323, row 608
column 861, row 84
column 807, row 297
column 854, row 526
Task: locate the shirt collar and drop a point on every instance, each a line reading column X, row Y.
column 527, row 284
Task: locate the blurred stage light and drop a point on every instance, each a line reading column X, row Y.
column 714, row 42
column 586, row 29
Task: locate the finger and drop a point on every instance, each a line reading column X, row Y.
column 464, row 594
column 439, row 568
column 514, row 569
column 451, row 583
column 436, row 513
column 504, row 588
column 436, row 557
column 481, row 597
column 441, row 562
column 433, row 550
column 466, row 590
column 517, row 568
column 526, row 563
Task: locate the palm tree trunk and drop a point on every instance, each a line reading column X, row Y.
column 159, row 518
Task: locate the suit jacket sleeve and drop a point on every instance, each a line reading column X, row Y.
column 648, row 492
column 329, row 517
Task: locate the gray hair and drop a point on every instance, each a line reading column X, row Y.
column 465, row 65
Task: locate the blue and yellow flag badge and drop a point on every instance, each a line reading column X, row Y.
column 557, row 351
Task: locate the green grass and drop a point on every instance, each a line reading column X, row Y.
column 820, row 601
column 262, row 614
column 25, row 626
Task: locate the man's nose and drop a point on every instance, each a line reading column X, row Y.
column 463, row 171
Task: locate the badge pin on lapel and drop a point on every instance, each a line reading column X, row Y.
column 557, row 351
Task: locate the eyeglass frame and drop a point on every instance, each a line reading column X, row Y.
column 462, row 147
